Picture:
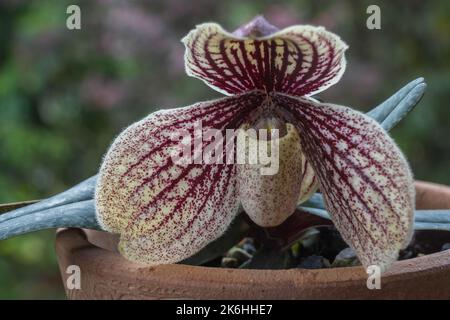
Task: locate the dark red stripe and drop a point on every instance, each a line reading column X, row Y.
column 209, row 194
column 232, row 103
column 221, row 83
column 306, row 132
column 232, row 67
column 249, row 67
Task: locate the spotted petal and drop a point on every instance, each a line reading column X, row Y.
column 166, row 210
column 365, row 180
column 299, row 60
column 270, row 198
column 309, row 181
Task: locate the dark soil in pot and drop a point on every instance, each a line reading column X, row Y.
column 319, row 248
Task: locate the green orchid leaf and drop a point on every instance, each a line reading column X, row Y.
column 424, row 219
column 78, row 214
column 394, row 109
column 16, row 205
column 80, row 192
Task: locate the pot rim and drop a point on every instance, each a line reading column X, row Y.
column 428, row 264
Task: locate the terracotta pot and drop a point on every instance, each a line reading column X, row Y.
column 106, row 275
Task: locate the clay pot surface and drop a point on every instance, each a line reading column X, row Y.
column 106, row 275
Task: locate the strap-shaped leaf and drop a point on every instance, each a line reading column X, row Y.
column 81, row 192
column 424, row 219
column 365, row 180
column 394, row 109
column 299, row 60
column 78, row 215
column 7, row 207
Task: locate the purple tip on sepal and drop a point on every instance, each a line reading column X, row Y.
column 258, row 27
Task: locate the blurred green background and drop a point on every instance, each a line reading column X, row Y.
column 65, row 94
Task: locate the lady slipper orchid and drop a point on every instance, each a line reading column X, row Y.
column 166, row 211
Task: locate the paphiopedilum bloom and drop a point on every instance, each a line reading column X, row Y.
column 166, row 211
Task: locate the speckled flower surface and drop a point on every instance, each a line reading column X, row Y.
column 166, row 211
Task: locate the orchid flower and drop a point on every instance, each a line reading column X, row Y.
column 166, row 212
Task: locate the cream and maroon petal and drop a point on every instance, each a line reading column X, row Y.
column 166, row 210
column 181, row 226
column 299, row 60
column 365, row 180
column 310, row 184
column 269, row 191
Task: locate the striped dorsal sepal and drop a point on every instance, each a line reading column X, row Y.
column 299, row 60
